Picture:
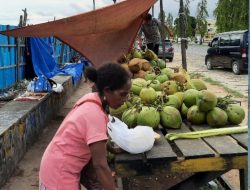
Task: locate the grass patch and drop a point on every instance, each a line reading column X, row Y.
column 214, row 82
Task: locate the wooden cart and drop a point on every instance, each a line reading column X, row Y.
column 197, row 160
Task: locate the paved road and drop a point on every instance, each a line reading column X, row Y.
column 196, row 62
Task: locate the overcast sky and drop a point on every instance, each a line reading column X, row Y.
column 40, row 11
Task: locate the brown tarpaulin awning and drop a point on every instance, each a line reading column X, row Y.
column 101, row 36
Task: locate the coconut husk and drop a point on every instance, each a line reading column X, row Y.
column 135, row 65
column 125, row 66
column 146, row 66
column 140, row 74
column 179, row 77
column 122, row 59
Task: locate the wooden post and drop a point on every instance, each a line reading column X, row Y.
column 183, row 34
column 163, row 35
column 18, row 48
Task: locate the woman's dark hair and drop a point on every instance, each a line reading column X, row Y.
column 148, row 17
column 110, row 75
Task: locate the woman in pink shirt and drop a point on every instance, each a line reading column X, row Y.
column 80, row 142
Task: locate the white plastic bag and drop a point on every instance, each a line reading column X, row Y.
column 137, row 140
column 58, row 88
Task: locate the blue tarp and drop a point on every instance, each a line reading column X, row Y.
column 44, row 62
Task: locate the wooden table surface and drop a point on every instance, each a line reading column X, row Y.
column 211, row 155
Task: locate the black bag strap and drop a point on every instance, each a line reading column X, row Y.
column 52, row 82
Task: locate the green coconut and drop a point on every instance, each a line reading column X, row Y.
column 161, row 63
column 153, row 63
column 150, row 76
column 159, row 93
column 136, row 54
column 189, row 97
column 150, row 55
column 167, row 71
column 235, row 113
column 195, row 116
column 135, row 99
column 137, row 85
column 130, row 117
column 119, row 111
column 170, row 117
column 184, row 110
column 155, row 84
column 189, row 85
column 148, row 95
column 180, row 95
column 173, row 101
column 199, row 84
column 206, row 100
column 148, row 116
column 217, row 117
column 129, row 104
column 169, row 87
column 162, row 78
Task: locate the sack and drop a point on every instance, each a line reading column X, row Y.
column 41, row 84
column 137, row 140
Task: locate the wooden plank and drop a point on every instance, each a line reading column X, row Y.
column 127, row 157
column 224, row 145
column 241, row 139
column 196, row 181
column 161, row 149
column 191, row 148
column 209, row 164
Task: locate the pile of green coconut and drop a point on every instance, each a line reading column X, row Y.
column 163, row 96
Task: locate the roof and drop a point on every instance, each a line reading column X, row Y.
column 102, row 36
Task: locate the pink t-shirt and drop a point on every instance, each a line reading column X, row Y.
column 68, row 152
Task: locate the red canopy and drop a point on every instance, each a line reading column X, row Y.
column 101, row 36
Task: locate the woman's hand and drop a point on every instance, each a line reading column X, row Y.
column 100, row 164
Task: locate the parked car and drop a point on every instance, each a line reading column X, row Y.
column 169, row 50
column 228, row 50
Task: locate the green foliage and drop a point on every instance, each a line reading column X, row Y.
column 201, row 17
column 170, row 21
column 231, row 15
column 163, row 31
column 191, row 26
column 190, row 22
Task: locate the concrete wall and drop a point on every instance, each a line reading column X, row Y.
column 21, row 122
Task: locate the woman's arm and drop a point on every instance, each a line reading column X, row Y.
column 100, row 164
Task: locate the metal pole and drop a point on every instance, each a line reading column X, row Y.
column 183, row 35
column 93, row 4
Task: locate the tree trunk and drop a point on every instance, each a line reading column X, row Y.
column 162, row 23
column 183, row 35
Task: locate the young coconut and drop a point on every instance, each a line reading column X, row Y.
column 206, row 100
column 217, row 117
column 199, row 84
column 172, row 100
column 236, row 114
column 184, row 110
column 148, row 116
column 130, row 117
column 169, row 87
column 137, row 85
column 195, row 116
column 148, row 95
column 189, row 97
column 170, row 117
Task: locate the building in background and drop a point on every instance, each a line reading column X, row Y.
column 211, row 30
